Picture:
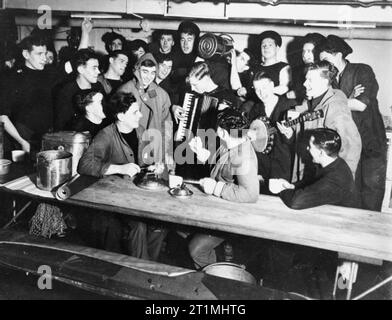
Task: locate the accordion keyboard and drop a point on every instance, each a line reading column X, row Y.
column 185, row 126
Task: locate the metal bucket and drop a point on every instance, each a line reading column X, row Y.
column 230, row 271
column 53, row 168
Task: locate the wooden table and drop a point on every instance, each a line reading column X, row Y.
column 360, row 235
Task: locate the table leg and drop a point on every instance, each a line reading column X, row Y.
column 17, row 214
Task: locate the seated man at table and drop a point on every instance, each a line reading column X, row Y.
column 233, row 176
column 333, row 184
column 118, row 149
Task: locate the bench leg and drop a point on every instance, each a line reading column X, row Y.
column 350, row 276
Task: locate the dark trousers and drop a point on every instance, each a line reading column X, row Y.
column 106, row 231
column 144, row 241
column 370, row 180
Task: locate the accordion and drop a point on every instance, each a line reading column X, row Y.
column 200, row 113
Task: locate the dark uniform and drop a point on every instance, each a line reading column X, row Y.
column 273, row 71
column 26, row 98
column 332, row 185
column 371, row 172
column 277, row 163
column 65, row 108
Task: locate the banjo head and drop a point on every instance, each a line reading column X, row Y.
column 262, row 134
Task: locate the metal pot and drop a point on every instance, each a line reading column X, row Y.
column 230, row 271
column 53, row 168
column 70, row 141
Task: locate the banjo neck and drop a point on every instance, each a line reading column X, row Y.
column 307, row 116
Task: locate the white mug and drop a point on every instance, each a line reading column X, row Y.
column 18, row 155
column 175, row 181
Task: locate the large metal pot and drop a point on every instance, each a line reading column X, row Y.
column 53, row 168
column 71, row 141
column 230, row 271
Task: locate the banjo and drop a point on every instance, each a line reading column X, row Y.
column 265, row 132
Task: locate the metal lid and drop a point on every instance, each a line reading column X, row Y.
column 181, row 192
column 68, row 136
column 151, row 182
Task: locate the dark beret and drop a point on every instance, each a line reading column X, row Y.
column 336, row 44
column 272, row 35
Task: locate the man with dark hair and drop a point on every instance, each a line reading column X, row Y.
column 359, row 84
column 91, row 114
column 154, row 105
column 188, row 33
column 242, row 72
column 164, row 49
column 26, row 106
column 164, row 80
column 86, row 66
column 119, row 149
column 310, row 44
column 113, row 41
column 276, row 163
column 333, row 184
column 109, row 153
column 233, row 176
column 111, row 80
column 336, row 115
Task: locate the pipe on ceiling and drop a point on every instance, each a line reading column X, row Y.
column 225, row 26
column 365, row 4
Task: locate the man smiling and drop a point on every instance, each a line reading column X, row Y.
column 86, row 65
column 26, row 102
column 153, row 100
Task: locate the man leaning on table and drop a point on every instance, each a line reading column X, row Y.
column 333, row 183
column 119, row 149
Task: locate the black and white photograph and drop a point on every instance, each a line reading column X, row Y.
column 183, row 152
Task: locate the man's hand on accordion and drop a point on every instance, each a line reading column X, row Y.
column 197, row 147
column 178, row 112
